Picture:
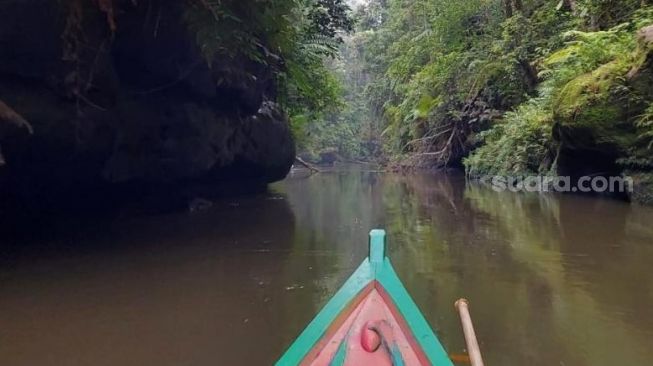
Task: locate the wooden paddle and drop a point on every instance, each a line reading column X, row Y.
column 470, row 336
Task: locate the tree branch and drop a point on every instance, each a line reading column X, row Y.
column 308, row 166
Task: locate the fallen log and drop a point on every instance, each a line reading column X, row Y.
column 308, row 166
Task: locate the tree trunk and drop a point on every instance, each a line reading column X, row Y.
column 507, row 4
column 530, row 73
column 517, row 5
column 306, row 165
column 569, row 5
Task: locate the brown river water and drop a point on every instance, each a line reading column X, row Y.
column 552, row 280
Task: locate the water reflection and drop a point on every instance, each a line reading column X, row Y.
column 176, row 289
column 553, row 280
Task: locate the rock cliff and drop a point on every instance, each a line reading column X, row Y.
column 128, row 100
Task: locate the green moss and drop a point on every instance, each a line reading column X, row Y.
column 594, row 108
column 589, row 89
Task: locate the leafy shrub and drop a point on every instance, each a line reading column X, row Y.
column 585, row 92
column 521, row 143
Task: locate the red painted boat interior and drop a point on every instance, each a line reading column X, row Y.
column 373, row 333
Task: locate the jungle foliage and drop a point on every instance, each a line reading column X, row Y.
column 496, row 86
column 499, row 86
column 586, row 99
column 292, row 37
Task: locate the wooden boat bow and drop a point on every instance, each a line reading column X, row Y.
column 371, row 320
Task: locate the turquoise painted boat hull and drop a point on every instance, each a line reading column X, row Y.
column 371, row 320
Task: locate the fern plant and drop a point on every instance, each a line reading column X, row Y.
column 645, row 124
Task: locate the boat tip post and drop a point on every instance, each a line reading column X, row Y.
column 377, row 246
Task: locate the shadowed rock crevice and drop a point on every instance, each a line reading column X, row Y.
column 138, row 107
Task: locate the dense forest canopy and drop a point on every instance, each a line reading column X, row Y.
column 499, row 86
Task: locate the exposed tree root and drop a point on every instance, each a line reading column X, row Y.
column 11, row 121
column 10, row 118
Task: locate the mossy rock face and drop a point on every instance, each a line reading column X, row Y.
column 156, row 115
column 589, row 115
column 596, row 111
column 642, row 188
column 589, row 89
column 644, row 49
column 640, row 81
